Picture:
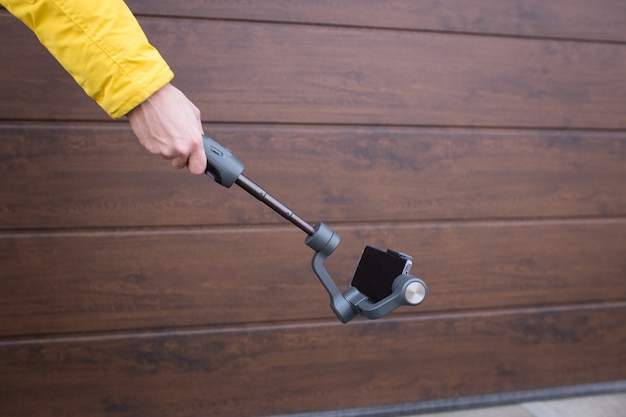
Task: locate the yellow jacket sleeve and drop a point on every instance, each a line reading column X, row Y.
column 100, row 43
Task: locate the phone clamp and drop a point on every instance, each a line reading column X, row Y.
column 407, row 289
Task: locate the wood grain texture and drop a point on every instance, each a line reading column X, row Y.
column 282, row 73
column 77, row 176
column 485, row 138
column 579, row 19
column 269, row 370
column 80, row 282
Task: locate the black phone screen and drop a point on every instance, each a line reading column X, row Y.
column 376, row 272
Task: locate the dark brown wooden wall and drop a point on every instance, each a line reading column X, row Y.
column 486, row 138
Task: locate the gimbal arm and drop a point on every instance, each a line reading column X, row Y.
column 227, row 170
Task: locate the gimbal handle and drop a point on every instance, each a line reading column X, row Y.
column 227, row 170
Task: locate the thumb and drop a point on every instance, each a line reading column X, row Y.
column 197, row 162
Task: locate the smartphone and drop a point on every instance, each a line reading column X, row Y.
column 377, row 269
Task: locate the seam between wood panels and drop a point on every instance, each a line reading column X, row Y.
column 384, row 28
column 139, row 333
column 84, row 123
column 285, row 228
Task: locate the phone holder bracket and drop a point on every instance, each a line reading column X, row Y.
column 407, row 289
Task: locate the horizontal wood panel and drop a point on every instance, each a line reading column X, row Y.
column 289, row 369
column 579, row 19
column 80, row 282
column 283, row 73
column 56, row 176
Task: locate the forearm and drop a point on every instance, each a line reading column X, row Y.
column 101, row 44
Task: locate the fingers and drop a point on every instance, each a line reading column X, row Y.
column 196, row 162
column 179, row 162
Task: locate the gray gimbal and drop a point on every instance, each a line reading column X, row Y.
column 371, row 299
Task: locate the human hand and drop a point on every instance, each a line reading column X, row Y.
column 169, row 125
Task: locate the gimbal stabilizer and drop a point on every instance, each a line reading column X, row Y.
column 406, row 289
